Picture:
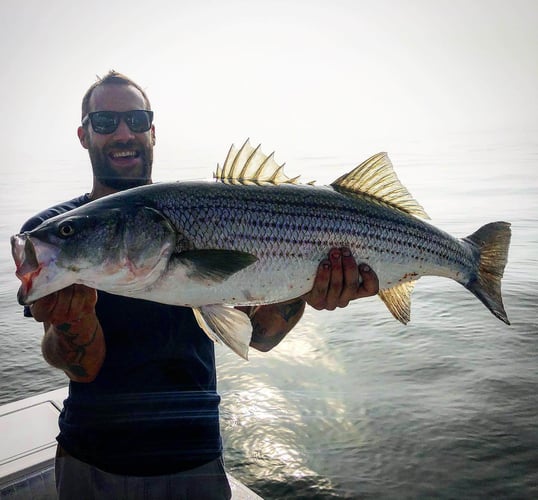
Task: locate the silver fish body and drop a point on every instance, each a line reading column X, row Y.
column 290, row 229
column 208, row 245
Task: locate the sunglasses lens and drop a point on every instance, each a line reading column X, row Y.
column 138, row 120
column 104, row 122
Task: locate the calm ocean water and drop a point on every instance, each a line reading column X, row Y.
column 352, row 404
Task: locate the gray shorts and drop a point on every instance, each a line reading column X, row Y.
column 76, row 479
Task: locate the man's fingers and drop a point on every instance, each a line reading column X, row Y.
column 317, row 297
column 83, row 300
column 350, row 288
column 340, row 280
column 370, row 282
column 61, row 311
column 65, row 306
column 41, row 308
column 334, row 293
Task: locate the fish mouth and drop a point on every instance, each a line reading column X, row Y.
column 27, row 264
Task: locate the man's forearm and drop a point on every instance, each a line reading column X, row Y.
column 271, row 323
column 78, row 348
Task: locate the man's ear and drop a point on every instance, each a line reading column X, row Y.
column 82, row 137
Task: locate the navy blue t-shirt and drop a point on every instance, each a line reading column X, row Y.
column 153, row 407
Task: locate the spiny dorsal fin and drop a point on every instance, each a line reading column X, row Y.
column 376, row 177
column 398, row 300
column 250, row 165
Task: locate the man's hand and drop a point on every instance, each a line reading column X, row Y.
column 335, row 285
column 339, row 280
column 65, row 306
column 74, row 340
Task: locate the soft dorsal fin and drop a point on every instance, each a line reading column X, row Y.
column 376, row 177
column 250, row 165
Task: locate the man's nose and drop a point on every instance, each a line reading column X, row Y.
column 123, row 132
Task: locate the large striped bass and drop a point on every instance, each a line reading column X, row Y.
column 254, row 238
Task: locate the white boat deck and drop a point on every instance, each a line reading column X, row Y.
column 28, row 430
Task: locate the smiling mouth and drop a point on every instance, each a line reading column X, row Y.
column 123, row 155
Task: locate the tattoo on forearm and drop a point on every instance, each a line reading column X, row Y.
column 76, row 351
column 272, row 324
column 290, row 310
column 260, row 336
column 77, row 370
column 258, row 333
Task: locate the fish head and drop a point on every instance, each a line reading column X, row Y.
column 117, row 250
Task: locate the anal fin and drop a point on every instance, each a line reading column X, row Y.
column 398, row 300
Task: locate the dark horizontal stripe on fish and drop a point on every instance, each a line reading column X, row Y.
column 339, row 217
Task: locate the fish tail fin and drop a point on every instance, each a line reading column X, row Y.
column 492, row 241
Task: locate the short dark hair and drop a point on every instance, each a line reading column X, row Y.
column 111, row 78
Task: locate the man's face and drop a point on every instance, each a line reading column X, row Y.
column 122, row 159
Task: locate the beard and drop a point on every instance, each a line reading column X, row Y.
column 107, row 175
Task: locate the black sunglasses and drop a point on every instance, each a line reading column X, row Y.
column 106, row 122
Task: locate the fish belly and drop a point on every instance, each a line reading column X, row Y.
column 255, row 285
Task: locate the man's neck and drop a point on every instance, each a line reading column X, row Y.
column 99, row 190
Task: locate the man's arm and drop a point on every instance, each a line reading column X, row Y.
column 73, row 339
column 336, row 284
column 271, row 323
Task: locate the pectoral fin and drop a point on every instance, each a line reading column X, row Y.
column 398, row 300
column 227, row 325
column 215, row 265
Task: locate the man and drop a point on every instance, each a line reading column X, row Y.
column 142, row 418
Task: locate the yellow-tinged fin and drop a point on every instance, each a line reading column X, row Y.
column 398, row 300
column 493, row 242
column 214, row 265
column 227, row 325
column 249, row 165
column 376, row 178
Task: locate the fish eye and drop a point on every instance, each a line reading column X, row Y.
column 66, row 229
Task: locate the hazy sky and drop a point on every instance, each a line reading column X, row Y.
column 309, row 77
